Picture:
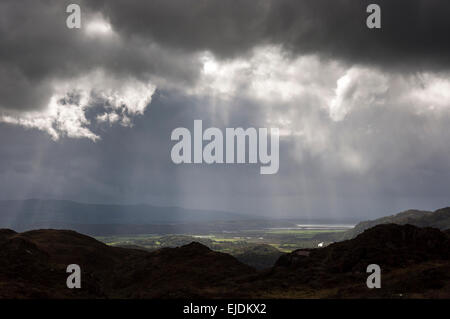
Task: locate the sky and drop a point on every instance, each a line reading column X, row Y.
column 364, row 114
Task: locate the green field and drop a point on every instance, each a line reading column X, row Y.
column 258, row 248
column 293, row 238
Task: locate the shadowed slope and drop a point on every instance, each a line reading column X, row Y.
column 415, row 262
column 33, row 264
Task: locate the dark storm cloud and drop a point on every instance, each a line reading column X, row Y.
column 38, row 49
column 414, row 32
column 158, row 38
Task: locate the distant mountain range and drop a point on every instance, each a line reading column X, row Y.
column 110, row 219
column 35, row 213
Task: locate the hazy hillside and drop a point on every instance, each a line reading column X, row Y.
column 438, row 219
column 35, row 213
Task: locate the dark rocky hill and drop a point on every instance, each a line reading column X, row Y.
column 33, row 264
column 389, row 245
column 415, row 263
column 259, row 256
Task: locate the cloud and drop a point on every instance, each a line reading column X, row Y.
column 99, row 27
column 327, row 110
column 58, row 119
column 358, row 87
column 414, row 33
column 265, row 49
column 431, row 92
column 44, row 65
column 266, row 74
column 65, row 114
